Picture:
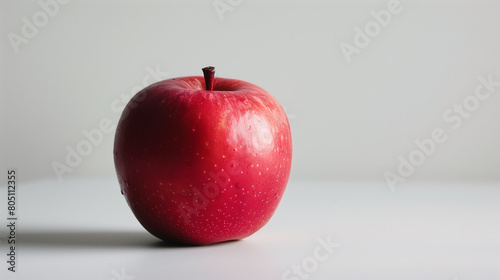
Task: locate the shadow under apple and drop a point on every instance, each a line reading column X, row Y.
column 91, row 239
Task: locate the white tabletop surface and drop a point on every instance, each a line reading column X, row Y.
column 83, row 229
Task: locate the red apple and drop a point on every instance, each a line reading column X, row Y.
column 200, row 160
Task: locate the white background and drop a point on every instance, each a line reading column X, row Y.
column 350, row 120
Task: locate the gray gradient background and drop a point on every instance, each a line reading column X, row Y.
column 350, row 121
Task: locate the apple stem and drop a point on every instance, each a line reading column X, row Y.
column 209, row 74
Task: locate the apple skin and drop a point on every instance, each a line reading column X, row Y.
column 199, row 166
